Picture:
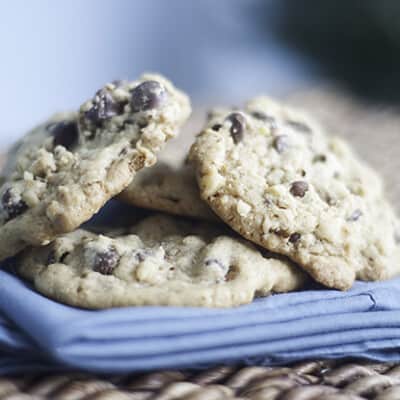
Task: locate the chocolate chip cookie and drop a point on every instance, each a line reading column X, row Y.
column 169, row 186
column 278, row 179
column 159, row 261
column 64, row 171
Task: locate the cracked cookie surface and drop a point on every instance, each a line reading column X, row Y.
column 158, row 261
column 279, row 180
column 65, row 170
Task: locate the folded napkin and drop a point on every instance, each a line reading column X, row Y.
column 38, row 333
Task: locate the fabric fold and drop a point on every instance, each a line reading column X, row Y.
column 363, row 322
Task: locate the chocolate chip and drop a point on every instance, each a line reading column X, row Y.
column 216, row 127
column 319, row 158
column 299, row 188
column 147, row 96
column 237, row 126
column 65, row 133
column 299, row 126
column 294, row 237
column 12, row 204
column 106, row 261
column 103, row 108
column 356, row 214
column 280, row 143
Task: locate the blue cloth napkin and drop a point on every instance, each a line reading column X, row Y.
column 38, row 333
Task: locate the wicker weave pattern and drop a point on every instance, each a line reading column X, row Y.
column 314, row 380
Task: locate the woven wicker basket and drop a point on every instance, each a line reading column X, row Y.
column 314, row 380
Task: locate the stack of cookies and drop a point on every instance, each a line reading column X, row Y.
column 264, row 201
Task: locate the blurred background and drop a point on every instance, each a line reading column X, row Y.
column 56, row 54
